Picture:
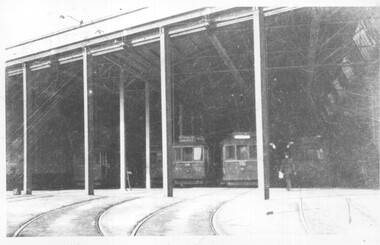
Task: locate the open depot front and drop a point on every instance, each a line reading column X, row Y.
column 209, row 97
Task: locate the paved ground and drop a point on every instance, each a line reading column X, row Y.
column 202, row 212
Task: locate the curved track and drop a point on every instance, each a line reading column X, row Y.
column 34, row 219
column 207, row 207
column 216, row 211
column 98, row 219
column 149, row 216
column 174, row 210
column 303, row 218
column 81, row 218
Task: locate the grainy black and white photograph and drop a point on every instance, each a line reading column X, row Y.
column 195, row 124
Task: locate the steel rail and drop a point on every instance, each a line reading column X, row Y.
column 19, row 230
column 151, row 215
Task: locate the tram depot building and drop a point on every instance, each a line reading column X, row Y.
column 162, row 101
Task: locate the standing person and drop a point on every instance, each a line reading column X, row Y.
column 288, row 169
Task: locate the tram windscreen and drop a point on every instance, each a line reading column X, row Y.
column 242, row 152
column 187, row 154
column 229, row 152
column 252, row 152
column 311, row 154
column 177, row 154
column 197, row 154
column 320, row 154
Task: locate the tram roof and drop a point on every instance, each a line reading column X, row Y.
column 189, row 144
column 233, row 141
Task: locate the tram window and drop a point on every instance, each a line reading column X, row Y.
column 229, row 152
column 177, row 154
column 187, row 154
column 242, row 152
column 320, row 154
column 197, row 154
column 252, row 152
column 311, row 154
column 302, row 154
column 159, row 157
column 297, row 154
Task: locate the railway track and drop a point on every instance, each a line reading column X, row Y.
column 153, row 214
column 148, row 217
column 40, row 221
column 34, row 219
column 100, row 215
column 97, row 219
column 217, row 210
column 351, row 207
column 303, row 218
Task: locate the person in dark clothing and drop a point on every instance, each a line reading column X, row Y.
column 288, row 169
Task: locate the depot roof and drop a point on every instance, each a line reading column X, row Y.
column 141, row 25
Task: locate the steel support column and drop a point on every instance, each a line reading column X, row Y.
column 27, row 107
column 147, row 137
column 89, row 127
column 261, row 102
column 377, row 107
column 166, row 112
column 122, row 130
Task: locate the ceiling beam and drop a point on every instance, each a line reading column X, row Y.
column 335, row 59
column 338, row 32
column 227, row 60
column 150, row 64
column 118, row 63
column 123, row 59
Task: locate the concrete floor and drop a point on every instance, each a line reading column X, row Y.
column 205, row 212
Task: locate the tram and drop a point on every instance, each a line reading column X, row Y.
column 102, row 170
column 311, row 159
column 156, row 166
column 191, row 161
column 239, row 157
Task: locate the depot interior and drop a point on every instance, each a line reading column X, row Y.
column 322, row 77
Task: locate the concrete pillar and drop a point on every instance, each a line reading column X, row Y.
column 147, row 137
column 261, row 102
column 180, row 119
column 377, row 107
column 27, row 105
column 4, row 91
column 122, row 130
column 192, row 122
column 166, row 112
column 89, row 127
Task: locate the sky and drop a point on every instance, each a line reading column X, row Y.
column 25, row 20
